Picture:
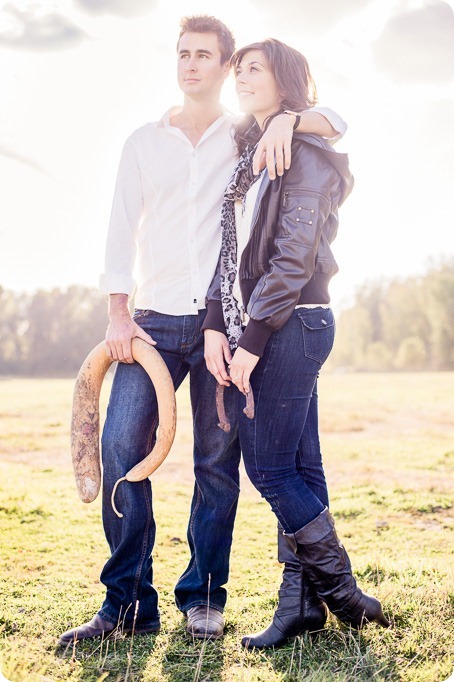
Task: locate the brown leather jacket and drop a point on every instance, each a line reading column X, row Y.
column 288, row 258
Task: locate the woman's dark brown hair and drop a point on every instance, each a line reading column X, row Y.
column 293, row 79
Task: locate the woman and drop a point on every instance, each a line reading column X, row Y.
column 274, row 272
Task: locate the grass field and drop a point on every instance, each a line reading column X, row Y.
column 388, row 451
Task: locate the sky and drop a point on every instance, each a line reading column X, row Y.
column 78, row 76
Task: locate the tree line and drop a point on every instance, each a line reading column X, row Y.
column 49, row 333
column 399, row 325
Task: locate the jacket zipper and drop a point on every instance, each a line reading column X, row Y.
column 309, row 191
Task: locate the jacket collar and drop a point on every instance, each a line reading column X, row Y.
column 338, row 160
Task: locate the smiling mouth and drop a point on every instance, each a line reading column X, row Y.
column 245, row 93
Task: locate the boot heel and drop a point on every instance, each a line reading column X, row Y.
column 382, row 620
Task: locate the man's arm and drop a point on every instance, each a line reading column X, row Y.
column 117, row 280
column 274, row 147
column 322, row 121
column 122, row 329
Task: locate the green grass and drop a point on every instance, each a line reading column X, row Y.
column 388, row 451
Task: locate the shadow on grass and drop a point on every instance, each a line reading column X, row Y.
column 118, row 656
column 333, row 655
column 173, row 656
column 187, row 659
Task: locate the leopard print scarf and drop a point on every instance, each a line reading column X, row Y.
column 240, row 182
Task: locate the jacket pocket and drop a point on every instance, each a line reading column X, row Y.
column 318, row 332
column 303, row 213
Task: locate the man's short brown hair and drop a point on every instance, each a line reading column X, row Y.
column 203, row 23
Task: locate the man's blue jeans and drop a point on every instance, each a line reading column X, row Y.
column 280, row 447
column 128, row 436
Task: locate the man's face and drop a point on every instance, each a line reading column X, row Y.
column 200, row 73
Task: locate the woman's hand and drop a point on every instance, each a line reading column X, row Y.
column 241, row 369
column 217, row 355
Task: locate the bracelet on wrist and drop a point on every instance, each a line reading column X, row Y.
column 296, row 115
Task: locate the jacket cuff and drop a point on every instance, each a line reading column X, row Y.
column 214, row 319
column 255, row 337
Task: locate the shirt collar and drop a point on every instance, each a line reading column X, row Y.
column 164, row 121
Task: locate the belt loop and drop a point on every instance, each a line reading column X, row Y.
column 244, row 317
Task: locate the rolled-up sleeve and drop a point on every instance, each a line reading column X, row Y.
column 335, row 120
column 127, row 207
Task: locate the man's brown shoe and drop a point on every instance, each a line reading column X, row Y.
column 97, row 627
column 205, row 622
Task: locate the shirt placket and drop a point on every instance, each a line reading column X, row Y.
column 196, row 285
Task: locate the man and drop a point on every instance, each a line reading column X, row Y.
column 166, row 210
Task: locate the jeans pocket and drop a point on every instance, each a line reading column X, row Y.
column 140, row 312
column 318, row 332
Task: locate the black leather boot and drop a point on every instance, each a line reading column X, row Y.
column 326, row 563
column 299, row 608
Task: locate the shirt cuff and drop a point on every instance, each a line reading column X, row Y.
column 336, row 121
column 111, row 283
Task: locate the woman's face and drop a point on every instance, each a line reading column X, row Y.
column 256, row 87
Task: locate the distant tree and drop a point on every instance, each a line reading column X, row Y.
column 403, row 313
column 439, row 303
column 378, row 357
column 13, row 326
column 49, row 332
column 401, row 325
column 411, row 354
column 352, row 339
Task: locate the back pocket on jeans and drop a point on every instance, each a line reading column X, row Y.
column 318, row 333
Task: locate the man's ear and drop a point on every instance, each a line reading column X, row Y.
column 226, row 68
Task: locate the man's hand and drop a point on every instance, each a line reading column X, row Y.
column 241, row 369
column 122, row 329
column 274, row 147
column 217, row 355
